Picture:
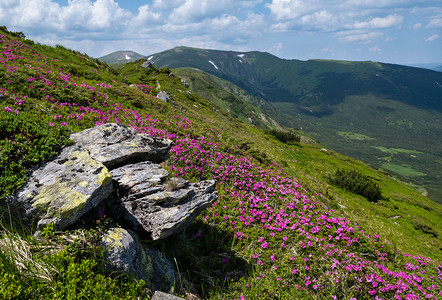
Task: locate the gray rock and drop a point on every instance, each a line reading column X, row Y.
column 169, row 210
column 125, row 253
column 163, row 96
column 147, row 64
column 115, row 145
column 186, row 84
column 140, row 179
column 134, row 87
column 62, row 190
column 163, row 276
column 163, row 296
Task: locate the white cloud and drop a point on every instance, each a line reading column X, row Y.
column 388, row 21
column 292, row 9
column 232, row 22
column 26, row 14
column 197, row 10
column 432, row 38
column 331, row 15
column 435, row 23
column 352, row 36
column 417, row 26
column 145, row 17
column 166, row 4
column 78, row 15
column 375, row 49
column 97, row 16
column 321, row 19
column 277, row 48
column 282, row 26
column 103, row 25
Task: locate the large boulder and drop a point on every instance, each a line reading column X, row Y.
column 126, row 254
column 62, row 190
column 155, row 208
column 115, row 145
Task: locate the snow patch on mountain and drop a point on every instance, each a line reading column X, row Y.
column 213, row 64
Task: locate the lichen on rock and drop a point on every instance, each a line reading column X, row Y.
column 62, row 190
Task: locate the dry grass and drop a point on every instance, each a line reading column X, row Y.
column 24, row 258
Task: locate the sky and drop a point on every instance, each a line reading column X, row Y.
column 391, row 31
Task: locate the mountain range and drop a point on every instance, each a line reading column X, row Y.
column 430, row 66
column 384, row 114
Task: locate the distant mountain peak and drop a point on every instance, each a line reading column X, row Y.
column 121, row 57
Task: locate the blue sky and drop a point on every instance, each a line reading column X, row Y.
column 393, row 31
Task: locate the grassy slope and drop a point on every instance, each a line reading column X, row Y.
column 217, row 91
column 396, row 105
column 219, row 258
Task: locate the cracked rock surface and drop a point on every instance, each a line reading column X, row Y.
column 159, row 208
column 115, row 145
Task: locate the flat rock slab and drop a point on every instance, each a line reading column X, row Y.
column 115, row 145
column 62, row 190
column 140, row 179
column 164, row 208
column 173, row 219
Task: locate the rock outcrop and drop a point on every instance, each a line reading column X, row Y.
column 147, row 64
column 114, row 165
column 164, row 96
column 112, row 159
